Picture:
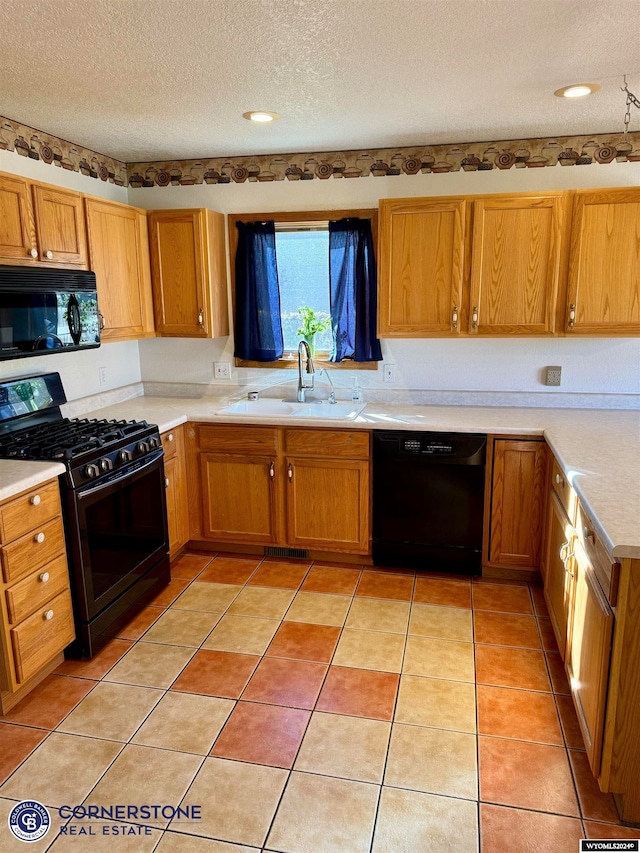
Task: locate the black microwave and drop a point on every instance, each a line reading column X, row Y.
column 43, row 311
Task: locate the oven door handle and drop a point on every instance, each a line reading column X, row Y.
column 82, row 493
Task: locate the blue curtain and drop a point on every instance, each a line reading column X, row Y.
column 258, row 328
column 353, row 287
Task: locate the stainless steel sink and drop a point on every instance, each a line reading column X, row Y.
column 267, row 408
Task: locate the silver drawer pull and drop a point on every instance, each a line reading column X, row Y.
column 47, row 615
column 454, row 318
column 48, row 254
column 44, row 577
column 170, row 437
column 33, row 253
column 39, row 538
column 559, row 479
column 166, row 482
column 474, row 317
column 35, row 500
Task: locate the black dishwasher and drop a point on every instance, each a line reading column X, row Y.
column 428, row 500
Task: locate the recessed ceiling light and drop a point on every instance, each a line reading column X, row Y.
column 261, row 116
column 578, row 90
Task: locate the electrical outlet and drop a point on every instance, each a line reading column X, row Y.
column 102, row 376
column 221, row 370
column 389, row 374
column 553, row 376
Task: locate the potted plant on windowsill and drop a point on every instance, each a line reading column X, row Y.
column 312, row 323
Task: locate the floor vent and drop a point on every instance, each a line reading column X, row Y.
column 270, row 551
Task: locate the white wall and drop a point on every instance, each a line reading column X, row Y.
column 79, row 370
column 590, row 366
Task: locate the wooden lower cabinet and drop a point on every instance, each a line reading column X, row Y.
column 36, row 616
column 515, row 504
column 588, row 653
column 176, row 489
column 328, row 504
column 298, row 488
column 238, row 498
column 558, row 570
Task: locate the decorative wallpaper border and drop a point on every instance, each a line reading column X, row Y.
column 29, row 142
column 428, row 159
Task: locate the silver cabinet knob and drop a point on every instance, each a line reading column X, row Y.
column 588, row 533
column 39, row 538
column 48, row 254
column 572, row 315
column 474, row 317
column 559, row 479
column 33, row 253
column 35, row 500
column 47, row 615
column 200, row 318
column 44, row 577
column 170, row 437
column 272, row 470
column 454, row 317
column 166, row 482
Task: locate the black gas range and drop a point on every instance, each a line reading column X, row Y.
column 113, row 498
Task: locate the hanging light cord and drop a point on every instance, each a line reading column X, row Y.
column 631, row 99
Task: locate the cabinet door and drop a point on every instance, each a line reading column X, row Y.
column 177, row 510
column 558, row 576
column 588, row 655
column 119, row 256
column 238, row 498
column 604, row 264
column 17, row 229
column 180, row 273
column 517, row 503
column 422, row 251
column 60, row 226
column 516, row 265
column 328, row 504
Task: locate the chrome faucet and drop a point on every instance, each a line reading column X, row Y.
column 306, row 379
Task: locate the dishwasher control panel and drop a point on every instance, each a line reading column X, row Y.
column 428, row 447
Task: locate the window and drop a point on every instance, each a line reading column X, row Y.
column 286, row 261
column 302, row 254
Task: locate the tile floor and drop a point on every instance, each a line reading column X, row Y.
column 314, row 709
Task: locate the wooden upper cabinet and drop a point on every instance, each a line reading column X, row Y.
column 60, row 226
column 119, row 256
column 604, row 264
column 188, row 269
column 517, row 503
column 515, row 267
column 17, row 228
column 421, row 266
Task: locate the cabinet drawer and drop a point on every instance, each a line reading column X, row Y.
column 42, row 636
column 28, row 553
column 170, row 442
column 35, row 590
column 242, row 439
column 30, row 509
column 563, row 490
column 605, row 567
column 320, row 442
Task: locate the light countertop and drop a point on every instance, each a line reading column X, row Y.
column 598, row 450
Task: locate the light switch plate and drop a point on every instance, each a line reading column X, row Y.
column 553, row 375
column 221, row 370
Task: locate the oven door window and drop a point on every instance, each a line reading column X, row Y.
column 123, row 532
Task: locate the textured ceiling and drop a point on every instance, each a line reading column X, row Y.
column 154, row 79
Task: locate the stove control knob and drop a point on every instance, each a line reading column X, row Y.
column 91, row 471
column 153, row 443
column 105, row 464
column 142, row 447
column 124, row 456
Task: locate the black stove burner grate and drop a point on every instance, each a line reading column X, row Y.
column 66, row 439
